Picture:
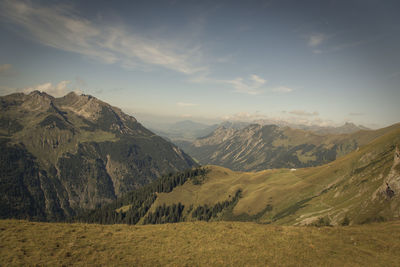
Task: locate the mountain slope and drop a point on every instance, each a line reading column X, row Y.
column 352, row 187
column 258, row 147
column 60, row 155
column 350, row 190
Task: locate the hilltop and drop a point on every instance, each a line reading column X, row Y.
column 61, row 155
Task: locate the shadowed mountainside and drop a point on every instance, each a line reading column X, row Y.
column 60, row 155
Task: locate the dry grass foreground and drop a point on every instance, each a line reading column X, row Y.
column 198, row 243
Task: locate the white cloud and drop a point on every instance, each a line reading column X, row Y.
column 184, row 104
column 56, row 90
column 303, row 113
column 61, row 27
column 316, row 39
column 252, row 86
column 258, row 81
column 282, row 89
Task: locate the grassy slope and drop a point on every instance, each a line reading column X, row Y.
column 205, row 244
column 351, row 186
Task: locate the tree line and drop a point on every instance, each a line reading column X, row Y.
column 205, row 213
column 134, row 205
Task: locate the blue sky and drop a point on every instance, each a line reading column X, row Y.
column 319, row 62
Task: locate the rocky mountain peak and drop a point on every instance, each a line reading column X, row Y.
column 37, row 101
column 39, row 94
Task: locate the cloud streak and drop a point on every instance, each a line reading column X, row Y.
column 251, row 86
column 61, row 27
column 282, row 89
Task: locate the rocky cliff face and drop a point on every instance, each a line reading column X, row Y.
column 60, row 155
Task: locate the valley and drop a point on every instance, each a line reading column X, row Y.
column 127, row 196
column 350, row 190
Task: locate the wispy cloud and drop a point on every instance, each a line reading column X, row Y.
column 251, row 86
column 303, row 113
column 56, row 90
column 282, row 89
column 61, row 27
column 185, row 104
column 257, row 80
column 317, row 39
column 318, row 42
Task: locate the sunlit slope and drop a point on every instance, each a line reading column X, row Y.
column 260, row 147
column 197, row 244
column 353, row 186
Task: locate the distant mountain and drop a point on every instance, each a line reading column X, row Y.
column 258, row 147
column 234, row 124
column 360, row 187
column 186, row 130
column 347, row 128
column 61, row 155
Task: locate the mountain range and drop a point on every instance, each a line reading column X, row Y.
column 188, row 130
column 76, row 158
column 62, row 155
column 360, row 187
column 258, row 147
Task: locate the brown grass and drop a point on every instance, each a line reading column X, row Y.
column 198, row 243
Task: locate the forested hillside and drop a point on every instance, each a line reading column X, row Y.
column 60, row 155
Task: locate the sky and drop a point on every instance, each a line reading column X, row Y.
column 313, row 62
